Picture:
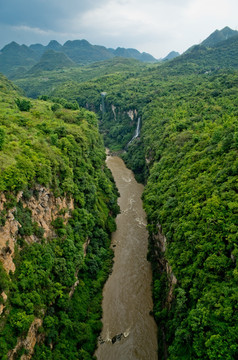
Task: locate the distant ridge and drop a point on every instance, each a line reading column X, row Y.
column 171, row 55
column 15, row 56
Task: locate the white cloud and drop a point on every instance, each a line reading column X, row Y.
column 154, row 26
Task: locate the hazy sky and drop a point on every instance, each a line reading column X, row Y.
column 153, row 26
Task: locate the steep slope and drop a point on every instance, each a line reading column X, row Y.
column 14, row 56
column 35, row 85
column 81, row 51
column 51, row 60
column 218, row 36
column 190, row 140
column 40, row 49
column 171, row 55
column 57, row 204
column 133, row 53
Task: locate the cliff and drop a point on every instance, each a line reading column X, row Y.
column 57, row 209
column 45, row 208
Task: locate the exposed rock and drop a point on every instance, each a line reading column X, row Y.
column 8, row 234
column 85, row 246
column 160, row 244
column 132, row 114
column 117, row 338
column 45, row 208
column 4, row 296
column 29, row 342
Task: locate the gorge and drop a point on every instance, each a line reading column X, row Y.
column 53, row 268
column 129, row 330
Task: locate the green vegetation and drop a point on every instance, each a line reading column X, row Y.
column 189, row 138
column 187, row 156
column 190, row 135
column 63, row 151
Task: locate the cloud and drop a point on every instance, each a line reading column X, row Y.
column 154, row 26
column 42, row 13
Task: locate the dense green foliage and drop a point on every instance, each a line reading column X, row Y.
column 16, row 60
column 190, row 136
column 51, row 60
column 63, row 151
column 187, row 154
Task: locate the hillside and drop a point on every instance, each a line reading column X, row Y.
column 44, row 83
column 15, row 56
column 51, row 60
column 16, row 60
column 190, row 143
column 218, row 36
column 57, row 204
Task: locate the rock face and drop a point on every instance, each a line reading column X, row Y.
column 29, row 342
column 160, row 247
column 45, row 208
column 8, row 237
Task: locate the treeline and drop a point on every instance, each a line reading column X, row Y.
column 60, row 149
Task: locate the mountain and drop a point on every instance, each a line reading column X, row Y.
column 14, row 55
column 54, row 45
column 133, row 53
column 171, row 55
column 81, row 51
column 199, row 58
column 52, row 60
column 218, row 36
column 40, row 49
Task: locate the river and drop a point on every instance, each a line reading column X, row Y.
column 129, row 331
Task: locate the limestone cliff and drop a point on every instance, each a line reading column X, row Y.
column 45, row 208
column 160, row 242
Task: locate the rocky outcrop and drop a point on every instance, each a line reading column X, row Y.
column 160, row 243
column 45, row 208
column 4, row 297
column 29, row 342
column 8, row 234
column 132, row 114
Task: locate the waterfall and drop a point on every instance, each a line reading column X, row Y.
column 137, row 132
column 103, row 94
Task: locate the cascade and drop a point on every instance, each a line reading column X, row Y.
column 103, row 94
column 137, row 132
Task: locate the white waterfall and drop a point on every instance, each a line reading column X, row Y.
column 137, row 132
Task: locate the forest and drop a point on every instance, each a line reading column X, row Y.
column 187, row 157
column 61, row 150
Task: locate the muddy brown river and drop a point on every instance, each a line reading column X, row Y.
column 129, row 331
